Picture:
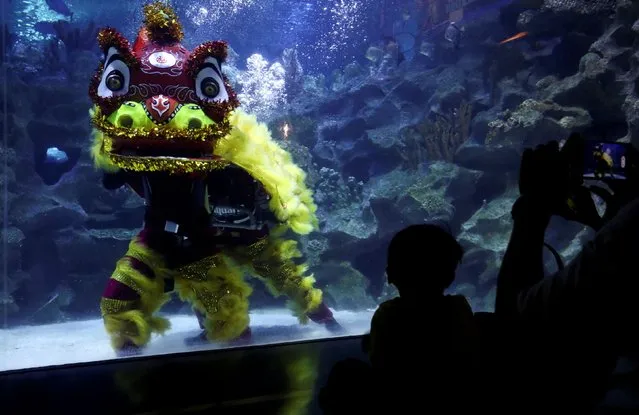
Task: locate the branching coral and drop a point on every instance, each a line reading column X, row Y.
column 333, row 192
column 410, row 147
column 446, row 133
column 436, row 138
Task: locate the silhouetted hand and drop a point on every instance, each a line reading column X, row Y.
column 580, row 207
column 616, row 195
column 553, row 179
column 544, row 177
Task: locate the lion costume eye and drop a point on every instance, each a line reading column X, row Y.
column 115, row 81
column 210, row 88
column 116, row 76
column 209, row 83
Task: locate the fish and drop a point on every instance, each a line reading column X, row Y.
column 62, row 296
column 59, row 6
column 519, row 35
column 405, row 32
column 427, row 49
column 453, row 34
column 374, row 54
column 393, row 48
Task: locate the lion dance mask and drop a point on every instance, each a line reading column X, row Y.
column 167, row 125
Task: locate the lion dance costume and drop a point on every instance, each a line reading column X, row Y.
column 167, row 124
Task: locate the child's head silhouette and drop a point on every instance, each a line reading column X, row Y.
column 423, row 257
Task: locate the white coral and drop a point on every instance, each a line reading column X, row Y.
column 262, row 87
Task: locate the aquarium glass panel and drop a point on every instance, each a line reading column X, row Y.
column 200, row 174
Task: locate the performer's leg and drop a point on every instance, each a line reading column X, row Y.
column 134, row 292
column 272, row 259
column 216, row 288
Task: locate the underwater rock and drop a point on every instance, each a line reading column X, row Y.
column 565, row 16
column 402, row 197
column 313, row 247
column 605, row 82
column 43, row 100
column 451, row 89
column 535, row 122
column 84, row 186
column 410, row 96
column 69, row 114
column 349, row 78
column 304, row 159
column 385, row 137
column 51, row 134
column 83, row 251
column 484, row 238
column 488, row 158
column 380, row 114
column 480, row 125
column 12, row 255
column 13, row 236
column 8, row 177
column 351, row 223
column 333, row 192
column 348, row 104
column 489, row 228
column 511, row 94
column 347, row 145
column 631, row 108
column 579, row 6
column 40, row 213
column 477, row 267
column 344, row 287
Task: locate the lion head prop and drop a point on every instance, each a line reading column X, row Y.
column 157, row 105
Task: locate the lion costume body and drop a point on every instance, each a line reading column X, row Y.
column 167, row 124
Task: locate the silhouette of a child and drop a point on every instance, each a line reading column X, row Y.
column 423, row 344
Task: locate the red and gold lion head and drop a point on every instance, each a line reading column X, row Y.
column 157, row 104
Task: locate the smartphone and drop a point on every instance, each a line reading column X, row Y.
column 605, row 160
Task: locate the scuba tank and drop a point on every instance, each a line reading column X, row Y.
column 236, row 200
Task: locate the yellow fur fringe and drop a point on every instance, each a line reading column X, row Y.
column 100, row 158
column 274, row 264
column 250, row 146
column 302, row 373
column 138, row 325
column 222, row 296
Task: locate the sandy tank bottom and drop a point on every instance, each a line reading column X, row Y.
column 86, row 341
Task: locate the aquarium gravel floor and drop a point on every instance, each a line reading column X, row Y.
column 86, row 341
